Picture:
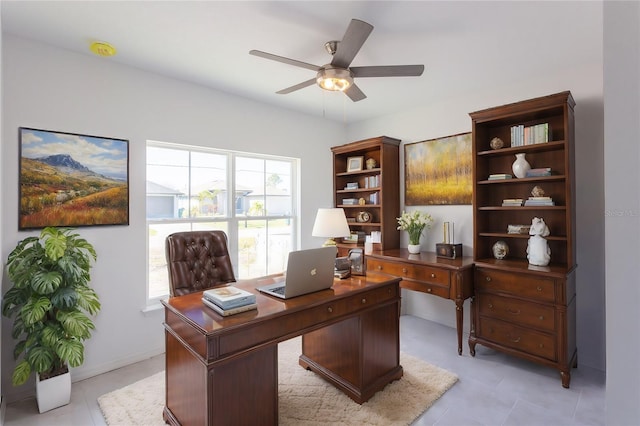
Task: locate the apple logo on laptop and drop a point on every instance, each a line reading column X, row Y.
column 314, row 271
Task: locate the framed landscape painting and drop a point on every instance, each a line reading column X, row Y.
column 72, row 180
column 438, row 171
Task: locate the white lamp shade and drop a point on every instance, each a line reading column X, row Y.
column 331, row 223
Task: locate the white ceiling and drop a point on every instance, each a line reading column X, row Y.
column 465, row 46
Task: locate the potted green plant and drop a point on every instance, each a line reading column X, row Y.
column 51, row 304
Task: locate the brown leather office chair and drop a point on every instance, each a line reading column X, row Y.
column 197, row 260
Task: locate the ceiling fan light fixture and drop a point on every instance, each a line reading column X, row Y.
column 334, row 79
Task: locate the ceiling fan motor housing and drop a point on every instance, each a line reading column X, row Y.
column 334, row 78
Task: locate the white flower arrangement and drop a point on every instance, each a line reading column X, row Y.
column 414, row 223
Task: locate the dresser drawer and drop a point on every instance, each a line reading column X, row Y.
column 422, row 273
column 517, row 311
column 519, row 338
column 522, row 285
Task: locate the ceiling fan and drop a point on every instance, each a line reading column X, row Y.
column 337, row 75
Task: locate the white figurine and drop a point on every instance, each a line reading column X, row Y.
column 538, row 251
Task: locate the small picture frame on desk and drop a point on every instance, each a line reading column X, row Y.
column 354, row 164
column 356, row 256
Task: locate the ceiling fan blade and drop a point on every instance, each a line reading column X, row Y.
column 355, row 36
column 296, row 87
column 284, row 60
column 354, row 93
column 388, row 71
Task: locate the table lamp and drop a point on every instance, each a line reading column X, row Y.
column 330, row 224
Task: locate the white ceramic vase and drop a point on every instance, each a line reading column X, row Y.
column 413, row 248
column 54, row 392
column 520, row 166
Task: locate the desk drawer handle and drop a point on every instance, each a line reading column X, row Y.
column 488, row 279
column 539, row 288
column 433, row 275
column 363, row 301
column 516, row 340
column 541, row 318
column 490, row 305
column 429, row 290
column 404, row 270
column 516, row 312
column 380, row 267
column 330, row 309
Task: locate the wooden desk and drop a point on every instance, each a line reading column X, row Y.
column 427, row 273
column 224, row 370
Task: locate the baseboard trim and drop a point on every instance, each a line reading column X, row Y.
column 3, row 409
column 80, row 373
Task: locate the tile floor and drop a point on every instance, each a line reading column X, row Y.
column 493, row 388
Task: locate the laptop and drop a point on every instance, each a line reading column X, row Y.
column 307, row 271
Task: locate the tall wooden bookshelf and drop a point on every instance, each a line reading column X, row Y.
column 378, row 186
column 518, row 308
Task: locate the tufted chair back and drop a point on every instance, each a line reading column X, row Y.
column 197, row 260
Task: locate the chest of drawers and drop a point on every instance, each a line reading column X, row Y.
column 526, row 314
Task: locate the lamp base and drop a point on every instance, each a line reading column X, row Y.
column 330, row 242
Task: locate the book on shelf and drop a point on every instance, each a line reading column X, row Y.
column 229, row 297
column 510, row 202
column 231, row 311
column 541, row 171
column 539, row 201
column 500, row 176
column 350, row 201
column 372, row 181
column 529, row 135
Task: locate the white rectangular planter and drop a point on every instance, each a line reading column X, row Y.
column 54, row 392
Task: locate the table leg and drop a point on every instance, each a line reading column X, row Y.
column 459, row 322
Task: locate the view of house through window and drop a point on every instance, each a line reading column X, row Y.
column 249, row 196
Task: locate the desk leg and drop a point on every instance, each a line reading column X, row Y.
column 459, row 322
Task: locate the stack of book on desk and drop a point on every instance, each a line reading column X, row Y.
column 229, row 300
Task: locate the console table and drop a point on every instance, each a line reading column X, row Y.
column 224, row 370
column 425, row 272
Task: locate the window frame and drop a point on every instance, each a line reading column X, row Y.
column 232, row 219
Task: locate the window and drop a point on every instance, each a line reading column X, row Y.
column 251, row 197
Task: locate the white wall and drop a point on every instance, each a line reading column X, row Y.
column 2, row 399
column 622, row 209
column 55, row 89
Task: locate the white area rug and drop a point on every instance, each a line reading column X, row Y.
column 304, row 398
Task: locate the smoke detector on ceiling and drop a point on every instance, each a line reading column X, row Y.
column 102, row 48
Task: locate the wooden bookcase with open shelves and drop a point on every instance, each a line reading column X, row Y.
column 378, row 186
column 523, row 309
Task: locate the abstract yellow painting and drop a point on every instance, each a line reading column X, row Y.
column 438, row 171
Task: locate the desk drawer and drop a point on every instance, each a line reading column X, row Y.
column 422, row 273
column 517, row 311
column 522, row 339
column 425, row 287
column 521, row 285
column 296, row 322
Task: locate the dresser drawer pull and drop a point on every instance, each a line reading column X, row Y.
column 539, row 288
column 380, row 267
column 404, row 270
column 363, row 301
column 516, row 340
column 433, row 275
column 488, row 279
column 490, row 305
column 429, row 290
column 516, row 312
column 541, row 318
column 330, row 309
